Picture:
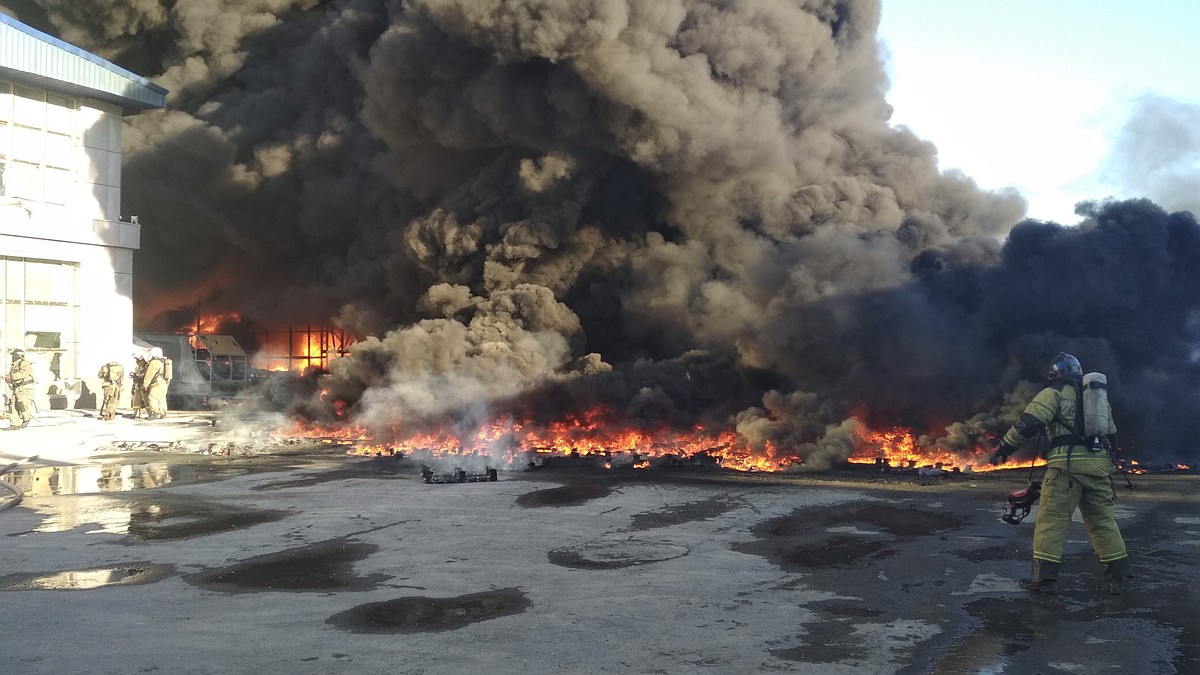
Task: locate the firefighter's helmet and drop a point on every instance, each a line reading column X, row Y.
column 157, row 353
column 1065, row 367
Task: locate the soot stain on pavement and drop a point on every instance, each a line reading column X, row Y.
column 416, row 614
column 684, row 513
column 127, row 574
column 995, row 553
column 573, row 494
column 324, row 566
column 902, row 522
column 615, row 554
column 166, row 518
column 795, row 542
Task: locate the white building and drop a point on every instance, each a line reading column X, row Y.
column 66, row 256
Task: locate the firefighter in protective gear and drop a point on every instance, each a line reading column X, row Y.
column 156, row 384
column 1078, row 476
column 20, row 380
column 112, row 382
column 137, row 392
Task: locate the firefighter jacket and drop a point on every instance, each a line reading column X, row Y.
column 1054, row 411
column 155, row 373
column 20, row 374
column 112, row 374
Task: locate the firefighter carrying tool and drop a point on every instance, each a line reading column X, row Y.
column 1078, row 476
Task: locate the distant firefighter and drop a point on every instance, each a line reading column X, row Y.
column 137, row 388
column 112, row 381
column 157, row 378
column 20, row 380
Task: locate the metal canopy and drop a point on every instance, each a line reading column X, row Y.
column 30, row 56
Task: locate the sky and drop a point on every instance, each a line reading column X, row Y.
column 1065, row 100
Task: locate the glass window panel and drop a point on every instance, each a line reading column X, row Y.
column 58, row 114
column 58, row 186
column 43, row 340
column 23, row 181
column 14, row 280
column 47, row 282
column 28, row 144
column 28, row 107
column 47, row 320
column 5, row 101
column 58, row 150
column 14, row 323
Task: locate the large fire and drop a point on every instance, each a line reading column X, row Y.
column 508, row 441
column 899, row 448
column 512, row 442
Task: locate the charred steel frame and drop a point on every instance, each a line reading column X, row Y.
column 330, row 342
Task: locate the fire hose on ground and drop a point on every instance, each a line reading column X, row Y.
column 16, row 494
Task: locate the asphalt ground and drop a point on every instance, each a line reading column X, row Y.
column 184, row 546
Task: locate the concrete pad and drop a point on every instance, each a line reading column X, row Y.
column 227, row 550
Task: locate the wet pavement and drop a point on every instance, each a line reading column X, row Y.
column 222, row 551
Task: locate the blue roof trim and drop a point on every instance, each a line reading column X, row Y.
column 154, row 89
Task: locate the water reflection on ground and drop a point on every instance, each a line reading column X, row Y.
column 86, row 579
column 90, row 479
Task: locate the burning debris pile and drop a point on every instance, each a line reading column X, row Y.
column 682, row 228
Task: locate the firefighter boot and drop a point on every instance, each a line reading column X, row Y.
column 1043, row 578
column 1115, row 574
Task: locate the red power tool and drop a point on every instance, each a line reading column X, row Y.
column 1020, row 502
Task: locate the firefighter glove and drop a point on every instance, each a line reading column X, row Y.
column 1002, row 453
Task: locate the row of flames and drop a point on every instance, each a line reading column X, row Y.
column 513, row 442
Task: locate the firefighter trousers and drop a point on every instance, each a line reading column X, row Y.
column 1094, row 496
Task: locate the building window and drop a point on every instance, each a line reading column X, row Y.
column 37, row 144
column 38, row 311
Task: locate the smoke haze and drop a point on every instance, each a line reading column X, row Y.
column 688, row 212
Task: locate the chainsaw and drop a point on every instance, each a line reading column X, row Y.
column 1020, row 502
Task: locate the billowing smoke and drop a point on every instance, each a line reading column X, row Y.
column 682, row 212
column 1157, row 153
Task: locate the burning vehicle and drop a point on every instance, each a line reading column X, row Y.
column 207, row 369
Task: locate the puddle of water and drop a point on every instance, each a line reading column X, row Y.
column 324, row 566
column 79, row 580
column 155, row 517
column 422, row 614
column 91, row 479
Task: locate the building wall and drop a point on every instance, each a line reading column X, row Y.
column 66, row 259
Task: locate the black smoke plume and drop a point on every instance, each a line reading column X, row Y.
column 686, row 211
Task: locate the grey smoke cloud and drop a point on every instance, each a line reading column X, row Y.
column 687, row 212
column 1157, row 153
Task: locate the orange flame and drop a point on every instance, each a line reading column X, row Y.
column 899, row 448
column 592, row 435
column 587, row 435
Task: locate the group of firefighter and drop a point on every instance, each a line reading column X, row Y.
column 150, row 377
